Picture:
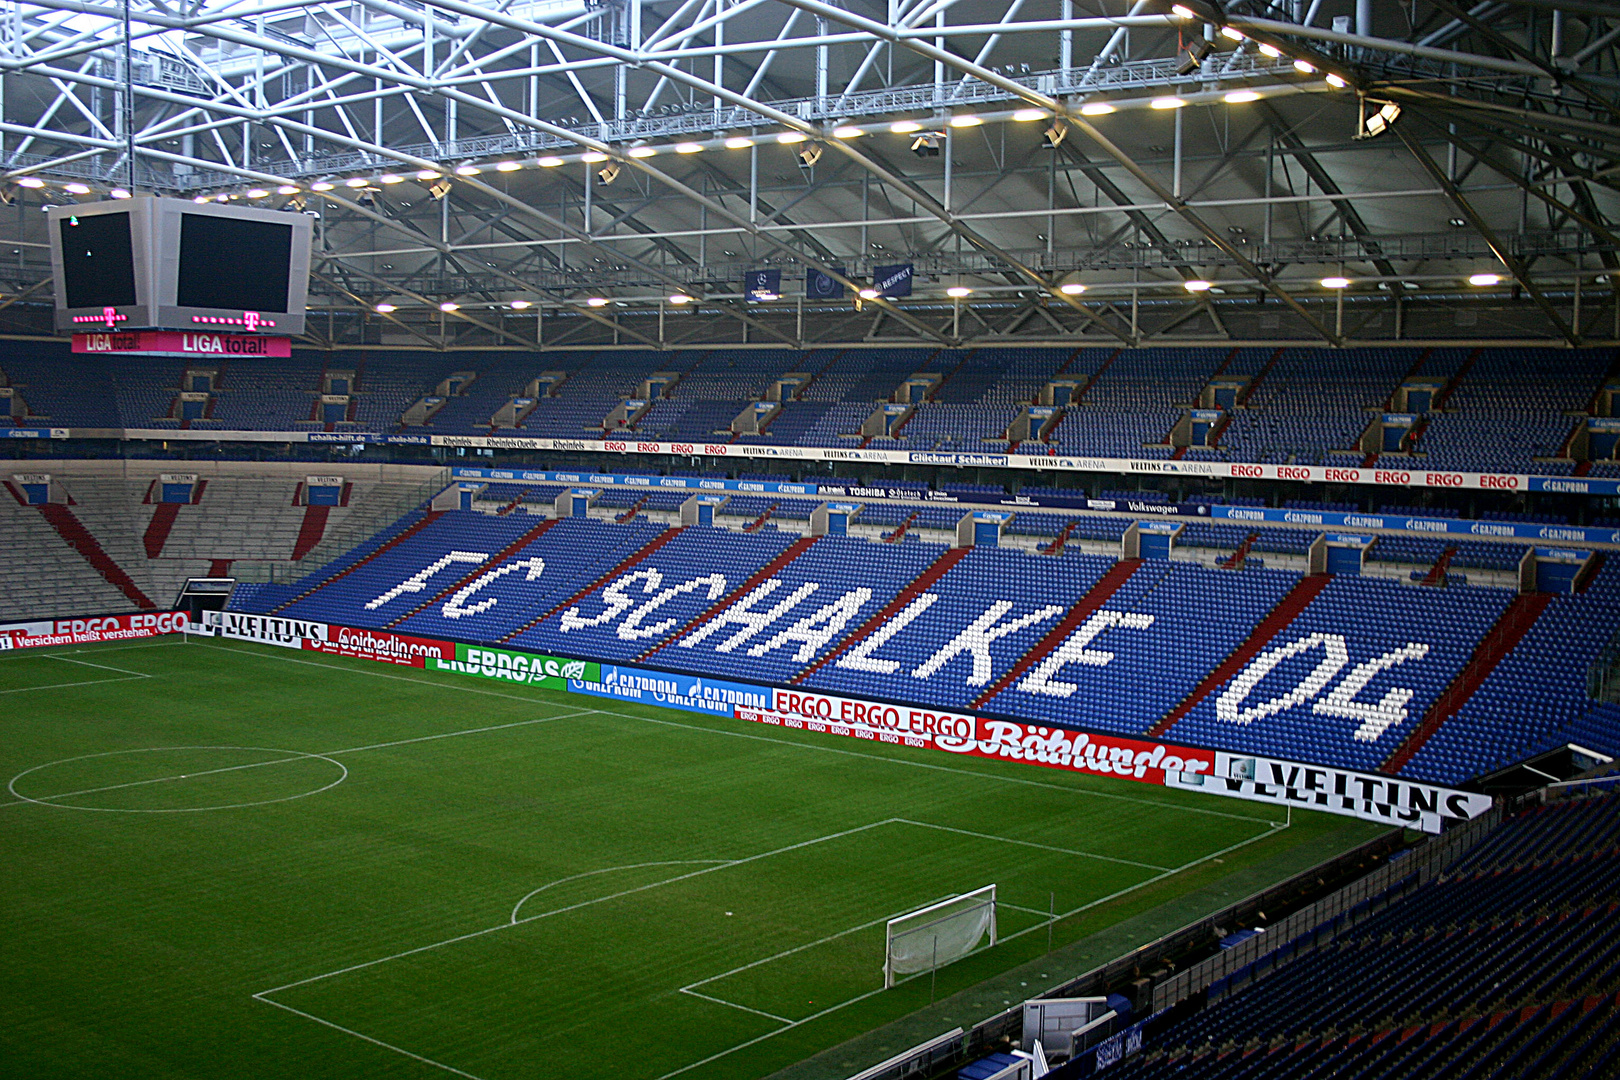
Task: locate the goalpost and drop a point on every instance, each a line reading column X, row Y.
column 939, row 934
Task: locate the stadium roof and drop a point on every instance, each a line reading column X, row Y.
column 1334, row 170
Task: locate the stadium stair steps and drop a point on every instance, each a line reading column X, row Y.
column 1510, row 628
column 482, row 568
column 759, row 522
column 636, row 508
column 429, row 518
column 1303, row 592
column 765, row 573
column 71, row 529
column 310, row 530
column 1260, row 377
column 1102, row 370
column 1437, row 572
column 1084, row 608
column 1455, row 381
column 157, row 530
column 932, row 573
column 899, row 532
column 1056, row 546
column 1234, row 561
column 628, row 562
column 516, row 501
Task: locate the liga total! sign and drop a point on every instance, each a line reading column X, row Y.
column 183, row 343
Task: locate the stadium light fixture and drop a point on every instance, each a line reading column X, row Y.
column 788, row 138
column 847, row 131
column 120, row 193
column 592, row 157
column 356, row 182
column 1240, row 97
column 958, row 291
column 468, row 169
column 641, row 152
column 521, row 305
column 1071, row 288
column 1335, row 283
column 680, row 298
column 1097, row 108
column 76, row 189
column 1335, row 81
column 284, row 189
column 439, row 188
column 809, row 155
column 739, row 142
column 1484, row 280
column 1182, row 11
column 905, row 127
column 926, row 145
column 1232, row 33
column 549, row 162
column 427, row 174
column 30, row 182
column 869, row 294
column 507, row 166
column 1197, row 285
column 608, row 173
column 1380, row 121
column 1270, row 50
column 386, row 309
column 390, row 178
column 449, row 305
column 965, row 120
column 1053, row 136
column 1168, row 102
column 1024, row 116
column 200, row 199
column 1304, row 67
column 597, row 301
column 253, row 193
column 688, row 148
column 322, row 185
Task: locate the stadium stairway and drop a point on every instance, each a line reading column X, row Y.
column 310, row 530
column 932, row 573
column 759, row 522
column 1296, row 600
column 1083, row 609
column 758, row 578
column 157, row 530
column 482, row 568
column 627, row 563
column 68, row 526
column 427, row 519
column 1509, row 630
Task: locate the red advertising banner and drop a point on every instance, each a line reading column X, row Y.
column 381, row 645
column 91, row 629
column 957, row 733
column 182, row 343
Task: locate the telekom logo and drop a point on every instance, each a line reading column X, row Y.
column 109, row 315
column 250, row 320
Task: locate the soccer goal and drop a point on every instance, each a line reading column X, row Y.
column 939, row 934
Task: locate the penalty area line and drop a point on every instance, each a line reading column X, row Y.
column 70, row 685
column 368, row 1038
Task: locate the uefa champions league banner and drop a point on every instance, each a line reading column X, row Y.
column 91, row 629
column 1383, row 799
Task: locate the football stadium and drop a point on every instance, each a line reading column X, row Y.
column 810, row 539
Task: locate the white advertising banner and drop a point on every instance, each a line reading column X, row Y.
column 1392, row 800
column 264, row 629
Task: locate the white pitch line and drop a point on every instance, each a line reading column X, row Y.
column 575, row 907
column 772, row 1034
column 279, row 761
column 68, row 685
column 734, row 1005
column 1025, row 781
column 103, row 667
column 369, row 1039
column 441, row 684
column 606, row 870
column 1031, row 844
column 777, row 742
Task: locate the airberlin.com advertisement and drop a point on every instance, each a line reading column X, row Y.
column 1373, row 798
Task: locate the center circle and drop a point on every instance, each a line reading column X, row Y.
column 216, row 777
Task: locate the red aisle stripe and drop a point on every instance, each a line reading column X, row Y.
column 794, row 550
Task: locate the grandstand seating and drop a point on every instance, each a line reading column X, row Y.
column 985, row 612
column 1505, row 965
column 1499, row 409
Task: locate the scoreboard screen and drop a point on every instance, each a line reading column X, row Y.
column 233, row 263
column 98, row 260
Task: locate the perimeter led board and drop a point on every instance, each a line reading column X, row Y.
column 153, row 263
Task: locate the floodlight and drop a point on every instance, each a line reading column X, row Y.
column 926, row 145
column 608, row 173
column 809, row 155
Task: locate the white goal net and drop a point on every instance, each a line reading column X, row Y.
column 939, row 934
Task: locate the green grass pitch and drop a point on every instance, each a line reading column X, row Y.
column 225, row 860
